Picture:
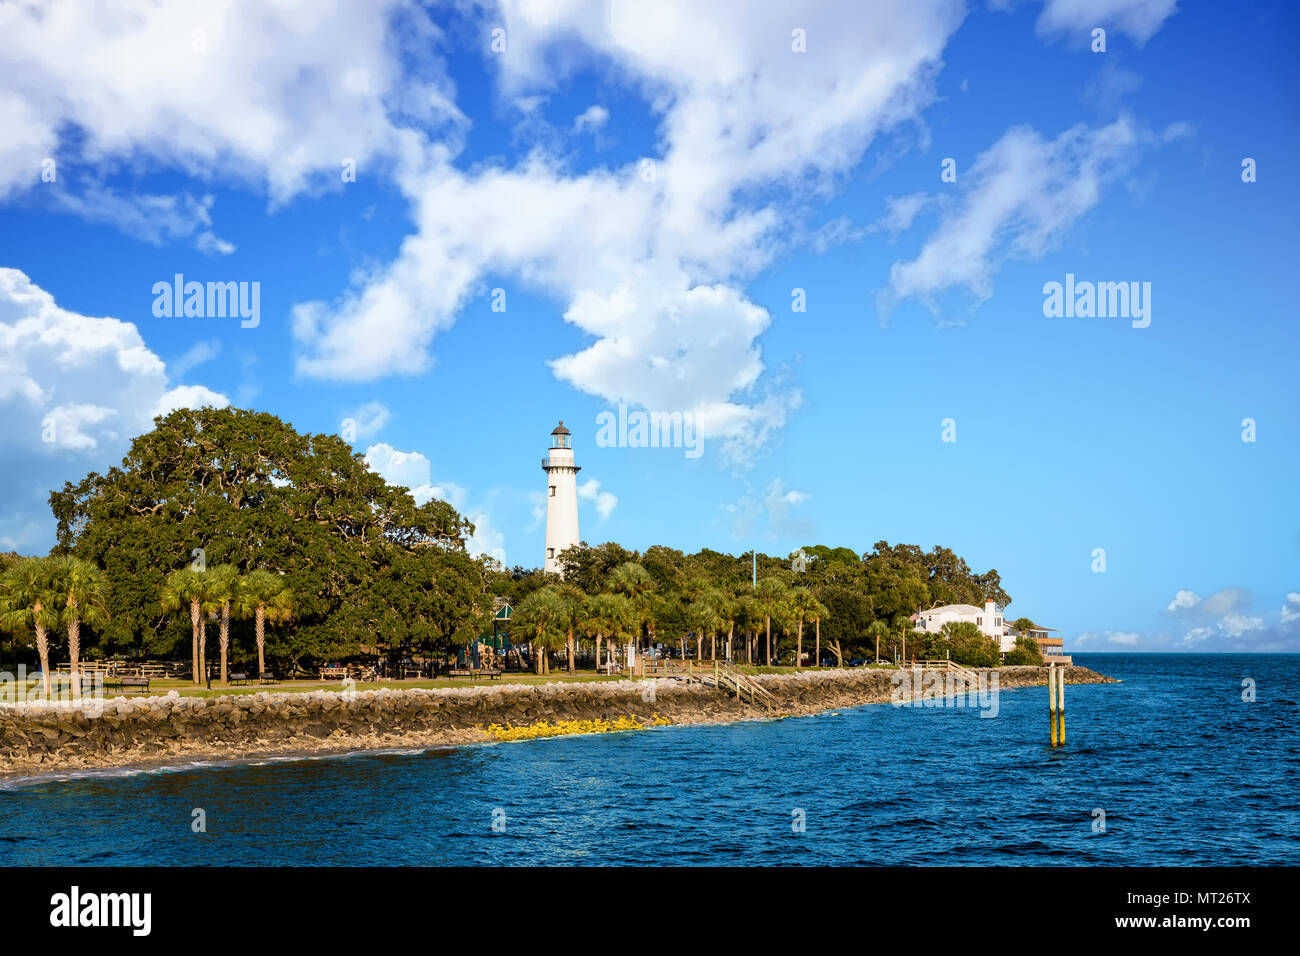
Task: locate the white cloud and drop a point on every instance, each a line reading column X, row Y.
column 1017, row 201
column 1225, row 601
column 592, row 118
column 652, row 269
column 149, row 218
column 604, row 501
column 486, row 539
column 1139, row 19
column 74, row 390
column 369, row 419
column 188, row 396
column 1291, row 608
column 901, row 211
column 197, row 354
column 278, row 93
column 1122, row 638
column 414, row 471
column 537, row 504
column 1223, row 614
column 772, row 515
column 1235, row 625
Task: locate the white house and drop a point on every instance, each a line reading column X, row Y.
column 988, row 619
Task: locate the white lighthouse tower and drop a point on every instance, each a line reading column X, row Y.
column 561, row 498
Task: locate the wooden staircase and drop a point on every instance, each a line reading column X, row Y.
column 951, row 667
column 728, row 678
column 720, row 674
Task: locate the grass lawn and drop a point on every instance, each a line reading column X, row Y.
column 186, row 689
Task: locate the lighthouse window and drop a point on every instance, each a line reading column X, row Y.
column 552, row 491
column 550, row 552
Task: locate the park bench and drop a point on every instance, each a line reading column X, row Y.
column 268, row 678
column 127, row 683
column 492, row 672
column 238, row 679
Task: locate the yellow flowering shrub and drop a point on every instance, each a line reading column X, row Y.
column 544, row 728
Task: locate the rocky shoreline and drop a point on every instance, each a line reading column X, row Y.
column 147, row 731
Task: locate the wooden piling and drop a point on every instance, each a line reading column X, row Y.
column 1051, row 699
column 1060, row 704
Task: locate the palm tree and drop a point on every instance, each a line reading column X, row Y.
column 263, row 596
column 716, row 611
column 611, row 615
column 747, row 616
column 223, row 587
column 83, row 596
column 729, row 611
column 543, row 616
column 692, row 591
column 702, row 616
column 28, row 600
column 589, row 625
column 634, row 582
column 801, row 602
column 573, row 617
column 188, row 588
column 817, row 610
column 772, row 596
column 877, row 629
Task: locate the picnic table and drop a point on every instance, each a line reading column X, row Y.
column 333, row 673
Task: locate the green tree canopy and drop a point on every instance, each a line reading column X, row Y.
column 228, row 486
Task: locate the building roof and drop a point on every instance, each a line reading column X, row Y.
column 960, row 608
column 560, row 429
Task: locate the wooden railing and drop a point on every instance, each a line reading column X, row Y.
column 719, row 674
column 948, row 665
column 725, row 674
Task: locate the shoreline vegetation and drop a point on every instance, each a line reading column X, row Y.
column 142, row 732
column 227, row 542
column 230, row 548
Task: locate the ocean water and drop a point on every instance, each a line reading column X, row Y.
column 1184, row 771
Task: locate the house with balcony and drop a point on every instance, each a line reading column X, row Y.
column 988, row 619
column 1053, row 648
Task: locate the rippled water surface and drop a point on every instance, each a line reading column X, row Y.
column 1184, row 771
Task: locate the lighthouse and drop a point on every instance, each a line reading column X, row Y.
column 561, row 498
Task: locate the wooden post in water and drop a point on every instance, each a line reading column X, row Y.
column 1060, row 704
column 1051, row 698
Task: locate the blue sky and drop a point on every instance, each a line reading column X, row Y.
column 182, row 144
